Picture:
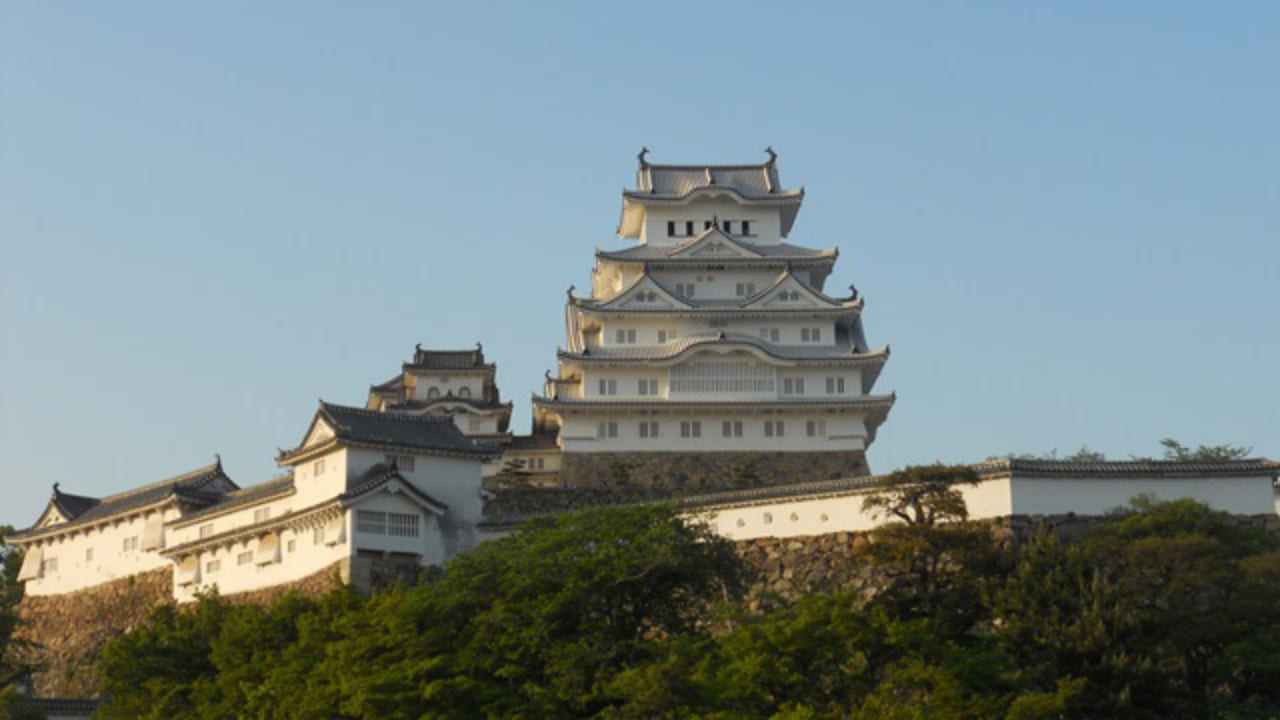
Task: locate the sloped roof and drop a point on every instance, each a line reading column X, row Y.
column 774, row 252
column 428, row 433
column 426, row 359
column 674, row 348
column 199, row 486
column 1129, row 468
column 381, row 474
column 244, row 496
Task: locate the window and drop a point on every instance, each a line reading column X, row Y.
column 402, row 462
column 317, row 536
column 48, row 565
column 464, row 392
column 607, row 430
column 213, row 566
column 770, row 334
column 793, row 386
column 688, row 227
column 685, row 289
column 317, row 468
column 608, row 386
column 261, row 514
column 722, row 377
column 774, row 428
column 745, row 289
column 815, row 428
column 835, row 385
column 402, row 525
column 475, row 425
column 746, row 228
column 662, row 336
column 810, row 335
column 648, row 386
column 690, row 429
column 206, row 530
column 726, row 225
column 671, row 228
column 433, row 393
column 292, row 546
column 371, row 522
column 732, row 428
column 719, row 323
column 88, row 555
column 648, row 429
column 131, row 543
column 706, row 224
column 625, row 337
column 244, row 558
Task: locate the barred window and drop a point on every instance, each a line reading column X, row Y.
column 261, row 514
column 371, row 522
column 835, row 385
column 722, row 377
column 607, row 430
column 244, row 558
column 690, row 428
column 402, row 525
column 131, row 543
column 206, row 530
column 732, row 428
column 213, row 566
column 317, row 536
column 48, row 565
column 403, row 462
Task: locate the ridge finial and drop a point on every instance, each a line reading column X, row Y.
column 569, row 292
column 773, row 156
column 643, row 151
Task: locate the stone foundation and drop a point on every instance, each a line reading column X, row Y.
column 67, row 632
column 683, row 473
column 313, row 585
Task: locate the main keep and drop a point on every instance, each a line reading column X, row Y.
column 708, row 354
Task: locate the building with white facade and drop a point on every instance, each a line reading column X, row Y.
column 365, row 491
column 712, row 335
column 456, row 384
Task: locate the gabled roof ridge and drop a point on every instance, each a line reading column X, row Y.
column 207, row 470
column 327, row 407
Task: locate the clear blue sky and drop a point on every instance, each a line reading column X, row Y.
column 1065, row 217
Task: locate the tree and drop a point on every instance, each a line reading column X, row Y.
column 1174, row 450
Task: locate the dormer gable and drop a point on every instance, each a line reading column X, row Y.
column 645, row 294
column 789, row 292
column 715, row 244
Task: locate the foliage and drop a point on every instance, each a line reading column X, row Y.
column 922, row 495
column 1163, row 611
column 11, row 671
column 1174, row 450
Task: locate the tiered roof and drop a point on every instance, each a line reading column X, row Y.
column 714, row 244
column 622, row 301
column 200, row 487
column 678, row 184
column 358, row 426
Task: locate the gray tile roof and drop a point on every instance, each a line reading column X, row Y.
column 1129, row 468
column 429, row 433
column 773, row 252
column 202, row 486
column 539, row 441
column 244, row 496
column 750, row 181
column 425, row 359
column 381, row 474
column 674, row 348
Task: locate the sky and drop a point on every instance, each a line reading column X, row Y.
column 1065, row 217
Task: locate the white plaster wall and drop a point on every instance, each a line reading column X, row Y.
column 452, row 481
column 312, row 487
column 429, row 544
column 110, row 561
column 844, row 431
column 765, row 222
column 1086, row 496
column 628, row 379
column 188, row 530
column 647, row 327
column 305, row 557
column 446, row 383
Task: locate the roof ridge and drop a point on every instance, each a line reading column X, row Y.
column 205, row 470
column 385, row 415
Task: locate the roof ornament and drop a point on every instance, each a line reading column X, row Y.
column 569, row 292
column 773, row 156
column 643, row 151
column 217, row 460
column 720, row 335
column 853, row 289
column 55, row 488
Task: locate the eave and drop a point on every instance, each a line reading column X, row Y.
column 865, row 402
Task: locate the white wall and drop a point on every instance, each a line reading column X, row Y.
column 765, row 222
column 95, row 554
column 1086, row 496
column 843, row 431
column 449, row 382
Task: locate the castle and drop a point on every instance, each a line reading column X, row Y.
column 707, row 367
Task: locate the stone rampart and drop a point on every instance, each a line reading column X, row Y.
column 698, row 472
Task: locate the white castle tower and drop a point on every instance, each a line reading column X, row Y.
column 709, row 349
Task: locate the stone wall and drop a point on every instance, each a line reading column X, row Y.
column 313, row 585
column 683, row 473
column 67, row 632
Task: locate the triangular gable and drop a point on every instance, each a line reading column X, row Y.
column 395, row 484
column 319, row 432
column 50, row 516
column 645, row 294
column 714, row 243
column 790, row 293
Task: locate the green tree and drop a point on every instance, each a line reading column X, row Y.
column 1174, row 450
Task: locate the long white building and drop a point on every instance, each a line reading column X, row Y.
column 367, row 492
column 712, row 335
